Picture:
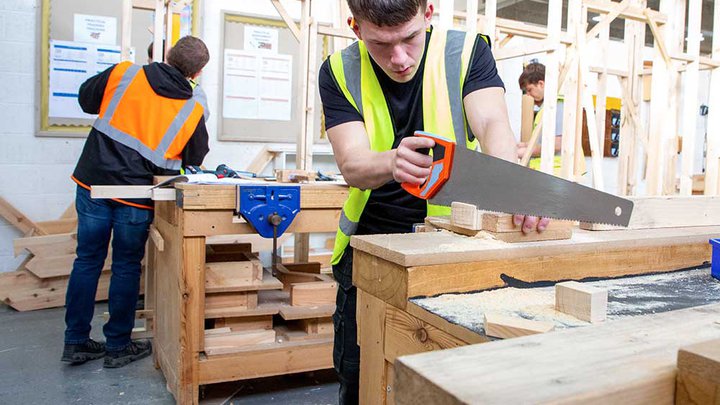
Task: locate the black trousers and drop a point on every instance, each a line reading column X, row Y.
column 346, row 352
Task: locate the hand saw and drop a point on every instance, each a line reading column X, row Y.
column 493, row 184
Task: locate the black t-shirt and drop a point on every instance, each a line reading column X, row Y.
column 390, row 208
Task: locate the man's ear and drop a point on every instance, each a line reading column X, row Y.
column 352, row 23
column 429, row 10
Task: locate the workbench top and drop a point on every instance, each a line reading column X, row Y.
column 434, row 248
column 627, row 296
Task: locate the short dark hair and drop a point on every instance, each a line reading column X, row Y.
column 532, row 74
column 152, row 46
column 189, row 55
column 386, row 13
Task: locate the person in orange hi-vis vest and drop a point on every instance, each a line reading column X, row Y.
column 151, row 121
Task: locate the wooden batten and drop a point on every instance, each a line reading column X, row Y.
column 698, row 378
column 584, row 302
column 504, row 327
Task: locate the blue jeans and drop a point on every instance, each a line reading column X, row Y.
column 97, row 219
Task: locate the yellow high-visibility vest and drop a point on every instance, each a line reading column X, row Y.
column 447, row 61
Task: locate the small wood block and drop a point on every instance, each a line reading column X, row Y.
column 294, row 176
column 313, row 293
column 533, row 236
column 582, row 301
column 698, row 379
column 229, row 274
column 220, row 343
column 313, row 268
column 504, row 327
column 243, row 299
column 466, row 216
column 317, row 326
column 237, row 324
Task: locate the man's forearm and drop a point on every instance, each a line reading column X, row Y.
column 368, row 171
column 501, row 142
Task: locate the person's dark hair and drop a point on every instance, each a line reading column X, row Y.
column 386, row 13
column 189, row 55
column 532, row 74
column 151, row 46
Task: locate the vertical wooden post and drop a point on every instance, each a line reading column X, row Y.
column 168, row 27
column 585, row 101
column 491, row 19
column 690, row 102
column 675, row 42
column 713, row 126
column 471, row 16
column 126, row 30
column 572, row 108
column 446, row 10
column 373, row 380
column 547, row 152
column 158, row 51
column 601, row 98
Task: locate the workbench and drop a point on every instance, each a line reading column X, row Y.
column 395, row 275
column 176, row 289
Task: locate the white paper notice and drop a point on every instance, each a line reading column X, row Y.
column 260, row 39
column 72, row 63
column 257, row 86
column 95, row 29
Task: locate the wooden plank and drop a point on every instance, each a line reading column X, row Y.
column 68, row 225
column 315, row 326
column 19, row 220
column 210, row 223
column 295, row 176
column 690, row 91
column 505, row 327
column 57, row 266
column 527, row 116
column 552, row 85
column 556, row 230
column 286, row 334
column 264, row 157
column 406, row 334
column 667, row 212
column 244, row 299
column 228, row 342
column 579, row 365
column 373, row 380
column 268, row 303
column 59, row 244
column 698, row 380
column 633, row 12
column 50, row 293
column 215, row 196
column 228, row 274
column 267, row 360
column 70, row 212
column 313, row 293
column 289, row 312
column 584, row 302
column 245, row 323
column 268, row 283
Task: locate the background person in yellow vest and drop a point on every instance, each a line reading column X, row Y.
column 532, row 83
column 149, row 124
column 400, row 77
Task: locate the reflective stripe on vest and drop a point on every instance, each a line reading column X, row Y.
column 447, row 60
column 163, row 150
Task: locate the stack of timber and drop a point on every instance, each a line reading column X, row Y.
column 248, row 309
column 40, row 281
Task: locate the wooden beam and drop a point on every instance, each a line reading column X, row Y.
column 19, row 220
column 575, row 365
column 712, row 165
column 505, row 327
column 286, row 17
column 552, row 86
column 582, row 301
column 667, row 212
column 634, row 13
column 698, row 380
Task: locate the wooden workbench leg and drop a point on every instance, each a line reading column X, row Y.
column 373, row 381
column 192, row 319
column 149, row 294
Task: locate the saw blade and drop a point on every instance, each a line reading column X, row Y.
column 494, row 184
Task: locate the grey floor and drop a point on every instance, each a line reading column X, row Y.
column 31, row 372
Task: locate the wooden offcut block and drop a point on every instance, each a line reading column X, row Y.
column 317, row 326
column 243, row 299
column 313, row 293
column 229, row 342
column 466, row 216
column 698, row 378
column 233, row 274
column 582, row 301
column 504, row 327
column 245, row 323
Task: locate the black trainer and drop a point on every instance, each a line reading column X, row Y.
column 80, row 353
column 134, row 351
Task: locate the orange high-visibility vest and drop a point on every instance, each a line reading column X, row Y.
column 156, row 127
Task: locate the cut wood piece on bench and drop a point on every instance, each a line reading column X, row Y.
column 313, row 293
column 582, row 301
column 668, row 212
column 295, row 175
column 533, row 236
column 229, row 342
column 556, row 230
column 504, row 327
column 19, row 220
column 698, row 379
column 466, row 216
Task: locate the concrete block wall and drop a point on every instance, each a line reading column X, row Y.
column 34, row 172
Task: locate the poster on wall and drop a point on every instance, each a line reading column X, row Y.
column 71, row 63
column 257, row 86
column 260, row 39
column 95, row 29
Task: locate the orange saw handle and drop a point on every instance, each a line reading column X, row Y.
column 442, row 153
